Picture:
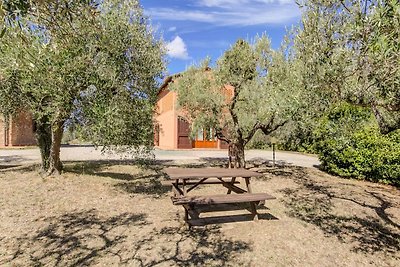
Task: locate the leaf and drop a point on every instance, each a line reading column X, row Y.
column 3, row 31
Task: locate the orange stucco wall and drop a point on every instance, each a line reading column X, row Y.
column 167, row 116
column 167, row 120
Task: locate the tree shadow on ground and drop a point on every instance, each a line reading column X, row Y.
column 13, row 159
column 19, row 168
column 74, row 239
column 4, row 167
column 97, row 168
column 86, row 238
column 151, row 186
column 204, row 246
column 145, row 181
column 364, row 221
column 217, row 162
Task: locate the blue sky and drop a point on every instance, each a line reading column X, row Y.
column 194, row 29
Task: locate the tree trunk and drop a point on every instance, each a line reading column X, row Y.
column 55, row 165
column 236, row 155
column 43, row 136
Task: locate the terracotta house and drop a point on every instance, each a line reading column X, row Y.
column 172, row 130
column 18, row 131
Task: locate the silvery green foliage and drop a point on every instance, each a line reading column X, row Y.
column 95, row 62
column 251, row 88
column 350, row 51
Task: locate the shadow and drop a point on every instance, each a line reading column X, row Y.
column 231, row 219
column 19, row 168
column 226, row 207
column 147, row 182
column 75, row 239
column 97, row 168
column 3, row 167
column 215, row 162
column 319, row 167
column 86, row 238
column 150, row 187
column 93, row 166
column 14, row 160
column 77, row 145
column 207, row 247
column 320, row 202
column 160, row 164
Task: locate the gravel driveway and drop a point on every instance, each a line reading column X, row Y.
column 83, row 153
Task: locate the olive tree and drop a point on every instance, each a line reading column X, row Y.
column 350, row 51
column 96, row 62
column 252, row 88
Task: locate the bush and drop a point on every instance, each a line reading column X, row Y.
column 350, row 147
column 297, row 136
column 259, row 141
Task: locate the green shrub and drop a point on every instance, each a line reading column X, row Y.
column 351, row 146
column 259, row 141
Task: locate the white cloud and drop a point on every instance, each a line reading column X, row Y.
column 230, row 3
column 221, row 3
column 233, row 12
column 172, row 29
column 177, row 49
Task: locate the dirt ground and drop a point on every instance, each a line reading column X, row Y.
column 115, row 213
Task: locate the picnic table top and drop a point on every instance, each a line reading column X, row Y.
column 199, row 173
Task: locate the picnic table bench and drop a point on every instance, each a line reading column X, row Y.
column 184, row 180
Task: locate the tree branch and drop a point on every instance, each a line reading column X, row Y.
column 220, row 135
column 232, row 112
column 265, row 128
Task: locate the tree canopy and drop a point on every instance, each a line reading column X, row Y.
column 94, row 62
column 351, row 51
column 252, row 88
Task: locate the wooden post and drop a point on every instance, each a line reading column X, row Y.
column 273, row 155
column 273, row 142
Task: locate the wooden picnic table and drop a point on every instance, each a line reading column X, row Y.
column 184, row 180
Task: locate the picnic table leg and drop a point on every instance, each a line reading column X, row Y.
column 232, row 182
column 186, row 215
column 190, row 213
column 184, row 189
column 253, row 206
column 175, row 188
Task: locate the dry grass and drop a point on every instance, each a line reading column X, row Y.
column 115, row 213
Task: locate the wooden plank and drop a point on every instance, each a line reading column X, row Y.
column 221, row 199
column 196, row 184
column 199, row 173
column 208, row 181
column 177, row 191
column 233, row 188
column 233, row 180
column 221, row 207
column 220, row 219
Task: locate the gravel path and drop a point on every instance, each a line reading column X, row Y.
column 83, row 153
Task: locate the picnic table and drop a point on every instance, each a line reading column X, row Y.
column 184, row 180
